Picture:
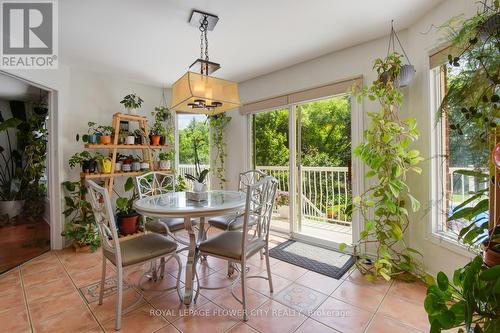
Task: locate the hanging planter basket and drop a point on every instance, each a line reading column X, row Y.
column 490, row 28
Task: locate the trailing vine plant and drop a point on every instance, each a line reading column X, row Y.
column 387, row 154
column 217, row 123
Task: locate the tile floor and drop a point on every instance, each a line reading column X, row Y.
column 43, row 296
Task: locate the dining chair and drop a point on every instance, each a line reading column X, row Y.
column 237, row 246
column 155, row 183
column 131, row 252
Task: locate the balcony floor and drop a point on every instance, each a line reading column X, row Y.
column 43, row 296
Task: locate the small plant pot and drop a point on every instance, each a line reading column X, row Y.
column 136, row 166
column 144, row 166
column 284, row 211
column 92, row 139
column 89, row 166
column 86, row 166
column 491, row 257
column 126, row 167
column 105, row 139
column 132, row 111
column 331, row 214
column 199, row 187
column 163, row 139
column 164, row 165
column 138, row 140
column 118, row 166
column 12, row 208
column 407, row 74
column 155, row 140
column 127, row 223
column 41, row 111
column 130, row 140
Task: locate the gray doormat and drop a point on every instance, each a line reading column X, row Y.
column 317, row 259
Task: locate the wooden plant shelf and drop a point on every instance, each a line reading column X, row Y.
column 123, row 146
column 115, row 174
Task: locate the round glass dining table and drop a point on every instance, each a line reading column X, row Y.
column 176, row 204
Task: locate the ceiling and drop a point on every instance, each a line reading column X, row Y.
column 151, row 41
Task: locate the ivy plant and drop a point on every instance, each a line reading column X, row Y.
column 387, row 154
column 217, row 124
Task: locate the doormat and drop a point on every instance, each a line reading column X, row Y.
column 91, row 292
column 314, row 258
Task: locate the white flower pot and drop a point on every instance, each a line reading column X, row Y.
column 164, row 165
column 11, row 208
column 130, row 140
column 144, row 165
column 118, row 166
column 132, row 111
column 284, row 211
column 199, row 187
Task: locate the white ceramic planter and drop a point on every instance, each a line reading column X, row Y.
column 118, row 166
column 199, row 187
column 11, row 208
column 284, row 211
column 144, row 165
column 126, row 167
column 132, row 111
column 164, row 165
column 130, row 140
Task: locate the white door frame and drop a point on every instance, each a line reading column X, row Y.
column 54, row 164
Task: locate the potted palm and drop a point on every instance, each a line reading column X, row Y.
column 132, row 103
column 126, row 216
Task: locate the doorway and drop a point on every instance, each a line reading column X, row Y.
column 307, row 147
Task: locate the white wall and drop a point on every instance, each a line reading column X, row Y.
column 351, row 62
column 80, row 96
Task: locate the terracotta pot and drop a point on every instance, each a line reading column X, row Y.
column 491, row 257
column 105, row 139
column 155, row 140
column 127, row 223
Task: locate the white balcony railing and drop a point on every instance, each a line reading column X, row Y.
column 325, row 192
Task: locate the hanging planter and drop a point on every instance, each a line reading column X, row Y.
column 490, row 28
column 407, row 71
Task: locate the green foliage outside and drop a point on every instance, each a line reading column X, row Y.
column 196, row 131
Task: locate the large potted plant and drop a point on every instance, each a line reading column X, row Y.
column 389, row 159
column 132, row 103
column 126, row 216
column 81, row 227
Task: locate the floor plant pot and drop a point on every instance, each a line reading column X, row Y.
column 127, row 223
column 130, row 140
column 11, row 208
column 105, row 139
column 155, row 140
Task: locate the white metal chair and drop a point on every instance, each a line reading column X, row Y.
column 237, row 246
column 135, row 251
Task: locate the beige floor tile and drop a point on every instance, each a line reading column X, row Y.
column 53, row 288
column 242, row 328
column 106, row 311
column 55, row 273
column 319, row 282
column 84, row 278
column 208, row 318
column 415, row 291
column 359, row 295
column 342, row 316
column 76, row 319
column 262, row 286
column 406, row 311
column 14, row 320
column 138, row 320
column 274, row 317
column 167, row 329
column 11, row 298
column 358, row 278
column 310, row 326
column 300, row 298
column 383, row 324
column 172, row 308
column 288, row 271
column 227, row 301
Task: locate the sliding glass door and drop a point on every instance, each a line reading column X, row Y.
column 307, row 147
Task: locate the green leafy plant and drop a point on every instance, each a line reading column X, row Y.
column 282, row 199
column 166, row 155
column 180, row 184
column 125, row 205
column 80, row 222
column 217, row 124
column 132, row 101
column 92, row 130
column 10, row 163
column 81, row 157
column 471, row 300
column 388, row 157
column 105, row 130
column 200, row 175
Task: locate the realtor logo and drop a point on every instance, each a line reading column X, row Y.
column 29, row 34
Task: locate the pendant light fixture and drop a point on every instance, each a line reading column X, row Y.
column 197, row 91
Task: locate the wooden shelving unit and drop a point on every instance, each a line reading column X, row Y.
column 115, row 146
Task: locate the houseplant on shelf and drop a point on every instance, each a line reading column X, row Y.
column 105, row 134
column 283, row 203
column 126, row 216
column 132, row 103
column 388, row 157
column 80, row 225
column 166, row 159
column 85, row 160
column 156, row 133
column 92, row 133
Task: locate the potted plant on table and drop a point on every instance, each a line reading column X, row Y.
column 132, row 103
column 283, row 203
column 126, row 216
column 105, row 134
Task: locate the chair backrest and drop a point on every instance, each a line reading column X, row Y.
column 155, row 182
column 105, row 219
column 250, row 177
column 259, row 205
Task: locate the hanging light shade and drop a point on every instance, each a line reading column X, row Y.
column 197, row 91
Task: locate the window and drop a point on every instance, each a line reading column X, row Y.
column 453, row 156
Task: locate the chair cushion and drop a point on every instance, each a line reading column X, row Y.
column 228, row 245
column 230, row 222
column 174, row 224
column 142, row 248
